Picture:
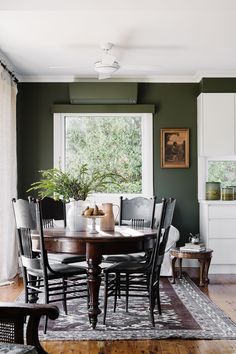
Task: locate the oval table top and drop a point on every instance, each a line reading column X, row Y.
column 122, row 239
column 120, row 233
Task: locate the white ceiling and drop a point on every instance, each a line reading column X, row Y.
column 155, row 40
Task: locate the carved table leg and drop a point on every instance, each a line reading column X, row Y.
column 180, row 267
column 173, row 260
column 94, row 258
column 207, row 265
column 202, row 267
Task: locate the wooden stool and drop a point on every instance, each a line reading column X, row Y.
column 204, row 258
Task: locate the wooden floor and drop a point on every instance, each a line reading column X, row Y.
column 221, row 290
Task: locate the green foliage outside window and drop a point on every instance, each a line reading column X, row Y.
column 222, row 171
column 107, row 144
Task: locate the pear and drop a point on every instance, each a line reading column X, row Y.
column 83, row 212
column 96, row 211
column 88, row 212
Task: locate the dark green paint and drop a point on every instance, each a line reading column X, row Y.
column 111, row 108
column 175, row 108
column 103, row 92
column 218, row 85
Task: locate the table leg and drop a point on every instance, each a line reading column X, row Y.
column 173, row 260
column 207, row 265
column 94, row 258
column 180, row 267
column 202, row 267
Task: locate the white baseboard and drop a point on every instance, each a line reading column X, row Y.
column 222, row 269
column 214, row 268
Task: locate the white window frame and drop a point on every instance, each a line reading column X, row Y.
column 147, row 150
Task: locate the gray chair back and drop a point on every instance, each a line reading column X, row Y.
column 28, row 218
column 163, row 234
column 138, row 208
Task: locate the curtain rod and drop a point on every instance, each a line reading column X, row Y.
column 11, row 73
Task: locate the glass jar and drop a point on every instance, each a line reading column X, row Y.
column 212, row 190
column 227, row 193
column 234, row 187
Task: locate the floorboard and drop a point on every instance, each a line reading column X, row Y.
column 221, row 290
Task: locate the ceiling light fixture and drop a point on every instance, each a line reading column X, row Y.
column 107, row 64
column 105, row 69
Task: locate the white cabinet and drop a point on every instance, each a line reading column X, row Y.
column 218, row 231
column 216, row 124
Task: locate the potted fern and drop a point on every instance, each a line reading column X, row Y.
column 74, row 188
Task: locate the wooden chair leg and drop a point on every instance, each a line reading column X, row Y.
column 157, row 290
column 127, row 293
column 45, row 324
column 32, row 281
column 152, row 305
column 46, row 300
column 64, row 284
column 152, row 317
column 105, row 297
column 117, row 289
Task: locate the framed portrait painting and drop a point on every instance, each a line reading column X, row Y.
column 174, row 148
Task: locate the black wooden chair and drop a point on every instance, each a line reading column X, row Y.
column 57, row 281
column 12, row 323
column 140, row 278
column 136, row 212
column 56, row 210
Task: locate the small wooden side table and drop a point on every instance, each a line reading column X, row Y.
column 204, row 258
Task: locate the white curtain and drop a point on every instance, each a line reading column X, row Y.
column 8, row 177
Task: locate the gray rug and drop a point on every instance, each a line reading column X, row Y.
column 186, row 313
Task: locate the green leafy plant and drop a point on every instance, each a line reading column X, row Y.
column 65, row 185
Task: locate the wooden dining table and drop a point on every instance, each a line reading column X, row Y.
column 122, row 240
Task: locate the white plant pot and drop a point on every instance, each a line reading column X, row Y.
column 75, row 219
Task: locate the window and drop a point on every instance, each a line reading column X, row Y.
column 108, row 142
column 223, row 171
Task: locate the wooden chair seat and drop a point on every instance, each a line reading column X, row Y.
column 65, row 258
column 58, row 269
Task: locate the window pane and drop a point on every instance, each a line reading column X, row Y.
column 222, row 171
column 107, row 144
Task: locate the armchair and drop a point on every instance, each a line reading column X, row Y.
column 12, row 321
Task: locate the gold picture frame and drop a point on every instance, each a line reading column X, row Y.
column 174, row 148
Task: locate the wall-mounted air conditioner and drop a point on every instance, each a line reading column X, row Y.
column 103, row 93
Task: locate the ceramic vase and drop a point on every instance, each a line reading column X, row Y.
column 75, row 219
column 107, row 223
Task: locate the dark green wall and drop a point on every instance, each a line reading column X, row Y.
column 35, row 129
column 176, row 108
column 218, row 85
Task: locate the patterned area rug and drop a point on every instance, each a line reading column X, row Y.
column 186, row 313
